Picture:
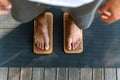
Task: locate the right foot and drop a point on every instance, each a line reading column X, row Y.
column 73, row 33
column 4, row 7
column 41, row 37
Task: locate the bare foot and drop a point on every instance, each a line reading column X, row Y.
column 74, row 34
column 41, row 37
column 4, row 7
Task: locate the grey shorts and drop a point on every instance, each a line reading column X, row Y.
column 25, row 11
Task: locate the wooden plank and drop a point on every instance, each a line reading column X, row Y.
column 118, row 73
column 74, row 74
column 98, row 74
column 6, row 21
column 86, row 73
column 67, row 74
column 38, row 73
column 14, row 74
column 61, row 74
column 110, row 74
column 26, row 74
column 3, row 73
column 50, row 74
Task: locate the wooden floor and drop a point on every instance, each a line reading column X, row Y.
column 59, row 73
column 8, row 73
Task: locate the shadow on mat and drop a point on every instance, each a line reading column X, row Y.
column 101, row 47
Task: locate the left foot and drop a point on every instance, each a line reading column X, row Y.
column 41, row 37
column 74, row 34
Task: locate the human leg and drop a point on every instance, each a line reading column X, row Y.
column 84, row 15
column 72, row 35
column 81, row 19
column 25, row 11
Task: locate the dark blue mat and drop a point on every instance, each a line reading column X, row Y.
column 101, row 47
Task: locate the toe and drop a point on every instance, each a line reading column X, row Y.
column 35, row 40
column 69, row 44
column 75, row 45
column 38, row 45
column 46, row 46
column 42, row 46
column 78, row 42
column 72, row 46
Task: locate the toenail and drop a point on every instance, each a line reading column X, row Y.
column 73, row 48
column 46, row 48
column 69, row 48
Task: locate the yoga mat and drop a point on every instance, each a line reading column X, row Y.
column 101, row 46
